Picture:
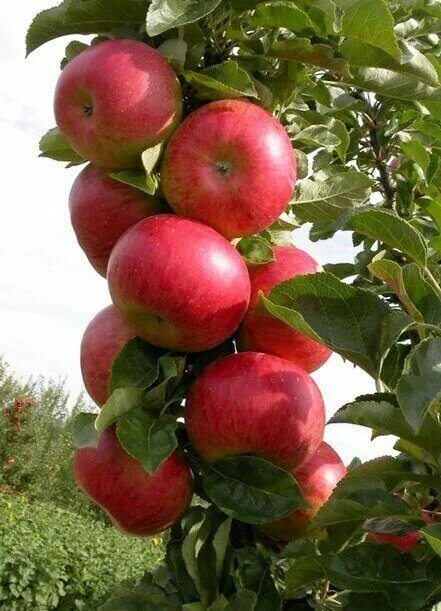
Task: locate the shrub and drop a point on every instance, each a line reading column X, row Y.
column 35, row 440
column 53, row 559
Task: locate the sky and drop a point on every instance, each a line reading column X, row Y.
column 48, row 291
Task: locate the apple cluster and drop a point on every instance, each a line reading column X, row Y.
column 177, row 281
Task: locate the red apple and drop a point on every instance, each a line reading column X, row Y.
column 402, row 542
column 102, row 341
column 252, row 403
column 230, row 165
column 102, row 209
column 136, row 502
column 264, row 333
column 116, row 99
column 316, row 478
column 178, row 283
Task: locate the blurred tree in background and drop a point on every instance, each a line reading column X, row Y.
column 35, row 440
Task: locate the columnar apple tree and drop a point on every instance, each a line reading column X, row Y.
column 211, row 131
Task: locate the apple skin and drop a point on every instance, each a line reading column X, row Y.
column 316, row 478
column 404, row 543
column 178, row 283
column 231, row 165
column 116, row 99
column 103, row 339
column 264, row 333
column 102, row 209
column 253, row 403
column 136, row 502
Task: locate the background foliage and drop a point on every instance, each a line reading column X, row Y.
column 35, row 440
column 357, row 85
column 54, row 559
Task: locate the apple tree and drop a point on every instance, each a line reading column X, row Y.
column 192, row 104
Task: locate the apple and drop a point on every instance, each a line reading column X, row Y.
column 316, row 478
column 404, row 543
column 262, row 332
column 103, row 339
column 102, row 209
column 137, row 502
column 231, row 165
column 116, row 99
column 178, row 283
column 253, row 403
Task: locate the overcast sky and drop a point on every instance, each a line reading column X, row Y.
column 48, row 291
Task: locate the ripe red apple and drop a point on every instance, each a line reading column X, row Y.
column 136, row 502
column 402, row 542
column 264, row 333
column 316, row 478
column 103, row 339
column 230, row 165
column 253, row 403
column 116, row 99
column 178, row 283
column 102, row 209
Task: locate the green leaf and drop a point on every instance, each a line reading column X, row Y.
column 227, row 80
column 175, row 51
column 375, row 568
column 150, row 157
column 85, row 17
column 366, row 503
column 327, row 201
column 74, row 48
column 120, row 402
column 385, row 473
column 357, row 324
column 255, row 250
column 191, row 548
column 251, row 489
column 301, row 50
column 148, row 439
column 417, row 152
column 432, row 534
column 220, row 544
column 412, row 63
column 379, row 413
column 254, row 573
column 392, row 274
column 280, row 232
column 419, row 389
column 369, row 21
column 84, row 434
column 394, row 85
column 303, row 572
column 171, row 370
column 281, row 15
column 340, row 270
column 432, row 206
column 395, row 526
column 165, row 15
column 317, row 135
column 138, row 179
column 338, row 128
column 393, row 364
column 136, row 366
column 393, row 231
column 243, row 600
column 417, row 296
column 138, row 601
column 55, row 146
